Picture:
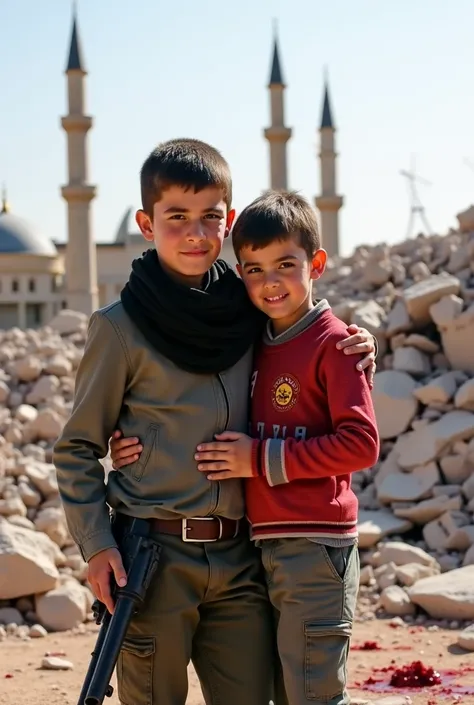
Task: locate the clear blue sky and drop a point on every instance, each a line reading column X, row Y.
column 401, row 79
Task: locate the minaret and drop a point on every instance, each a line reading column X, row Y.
column 5, row 206
column 81, row 259
column 277, row 134
column 328, row 202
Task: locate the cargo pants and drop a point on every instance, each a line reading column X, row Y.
column 207, row 604
column 313, row 590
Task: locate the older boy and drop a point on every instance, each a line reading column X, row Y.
column 170, row 363
column 314, row 422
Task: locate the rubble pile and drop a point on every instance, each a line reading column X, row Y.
column 416, row 505
column 417, row 298
column 42, row 575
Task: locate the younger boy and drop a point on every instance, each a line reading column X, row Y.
column 314, row 424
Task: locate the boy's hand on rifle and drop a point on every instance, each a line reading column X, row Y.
column 103, row 567
column 230, row 456
column 124, row 451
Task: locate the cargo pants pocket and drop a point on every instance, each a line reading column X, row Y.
column 135, row 670
column 326, row 652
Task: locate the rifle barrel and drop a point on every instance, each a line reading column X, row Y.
column 100, row 680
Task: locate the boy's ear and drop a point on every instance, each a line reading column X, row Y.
column 318, row 263
column 230, row 220
column 144, row 223
column 239, row 269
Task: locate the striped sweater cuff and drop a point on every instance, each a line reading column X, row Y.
column 273, row 461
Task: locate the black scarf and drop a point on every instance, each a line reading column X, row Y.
column 201, row 331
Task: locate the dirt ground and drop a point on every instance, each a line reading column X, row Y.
column 23, row 683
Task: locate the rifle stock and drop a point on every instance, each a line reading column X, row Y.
column 140, row 555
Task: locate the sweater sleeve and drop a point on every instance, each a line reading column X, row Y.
column 101, row 380
column 354, row 443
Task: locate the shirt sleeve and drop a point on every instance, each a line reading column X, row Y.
column 101, row 381
column 354, row 443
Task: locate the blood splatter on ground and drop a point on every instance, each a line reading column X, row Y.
column 418, row 676
column 415, row 675
column 367, row 646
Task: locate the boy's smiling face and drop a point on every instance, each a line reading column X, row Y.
column 278, row 279
column 188, row 230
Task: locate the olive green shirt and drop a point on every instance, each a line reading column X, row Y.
column 122, row 382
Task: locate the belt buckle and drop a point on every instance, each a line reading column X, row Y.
column 186, row 528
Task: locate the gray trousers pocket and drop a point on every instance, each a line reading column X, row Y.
column 326, row 652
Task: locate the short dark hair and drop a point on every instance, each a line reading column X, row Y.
column 277, row 215
column 183, row 162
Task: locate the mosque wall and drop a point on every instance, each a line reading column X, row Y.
column 30, row 290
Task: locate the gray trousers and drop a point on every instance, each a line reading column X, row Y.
column 313, row 590
column 207, row 604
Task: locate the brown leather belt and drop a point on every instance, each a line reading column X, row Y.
column 199, row 529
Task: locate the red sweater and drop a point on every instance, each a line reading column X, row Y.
column 313, row 413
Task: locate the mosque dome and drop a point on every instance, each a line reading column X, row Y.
column 17, row 236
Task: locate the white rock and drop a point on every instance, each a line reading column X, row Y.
column 420, row 296
column 46, row 427
column 458, row 341
column 407, row 487
column 37, row 631
column 438, row 391
column 27, row 369
column 375, row 525
column 422, row 446
column 385, row 576
column 63, row 607
column 29, row 496
column 446, row 310
column 27, row 562
column 411, row 360
column 42, row 476
column 446, row 596
column 26, row 412
column 366, row 575
column 58, row 365
column 67, row 322
column 400, row 554
column 395, row 601
column 4, row 392
column 421, row 342
column 469, row 557
column 455, row 468
column 410, row 573
column 55, row 663
column 394, row 404
column 45, row 388
column 52, row 522
column 428, row 509
column 464, row 398
column 466, row 639
column 398, row 320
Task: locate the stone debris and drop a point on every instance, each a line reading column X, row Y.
column 466, row 638
column 55, row 663
column 42, row 575
column 446, row 596
column 416, row 518
column 417, row 298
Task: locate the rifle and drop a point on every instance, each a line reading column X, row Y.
column 140, row 555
